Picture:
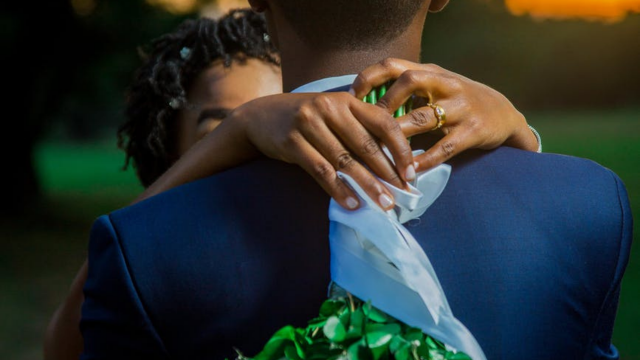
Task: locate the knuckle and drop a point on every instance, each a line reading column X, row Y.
column 304, row 114
column 370, row 146
column 433, row 67
column 383, row 103
column 405, row 152
column 420, row 118
column 388, row 63
column 341, row 97
column 363, row 78
column 323, row 101
column 411, row 77
column 392, row 126
column 322, row 170
column 474, row 124
column 455, row 84
column 291, row 141
column 344, row 160
column 448, row 148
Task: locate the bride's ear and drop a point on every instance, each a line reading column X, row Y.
column 437, row 5
column 259, row 6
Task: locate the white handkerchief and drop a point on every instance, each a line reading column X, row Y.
column 374, row 257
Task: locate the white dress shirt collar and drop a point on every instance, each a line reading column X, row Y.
column 325, row 84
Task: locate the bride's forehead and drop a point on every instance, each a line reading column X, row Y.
column 237, row 83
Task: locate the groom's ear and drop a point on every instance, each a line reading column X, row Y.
column 437, row 5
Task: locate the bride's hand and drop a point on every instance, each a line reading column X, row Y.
column 477, row 116
column 324, row 133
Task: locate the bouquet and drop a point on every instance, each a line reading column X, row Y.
column 350, row 329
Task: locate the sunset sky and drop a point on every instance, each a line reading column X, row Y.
column 611, row 10
column 604, row 10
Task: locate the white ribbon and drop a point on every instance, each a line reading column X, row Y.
column 374, row 257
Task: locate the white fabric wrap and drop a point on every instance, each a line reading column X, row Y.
column 374, row 257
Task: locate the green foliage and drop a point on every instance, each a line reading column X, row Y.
column 350, row 329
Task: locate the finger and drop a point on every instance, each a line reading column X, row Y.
column 386, row 70
column 325, row 175
column 419, row 82
column 325, row 142
column 387, row 129
column 377, row 74
column 449, row 146
column 418, row 121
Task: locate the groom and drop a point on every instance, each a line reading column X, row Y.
column 529, row 248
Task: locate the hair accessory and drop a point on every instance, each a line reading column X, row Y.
column 185, row 52
column 175, row 104
column 266, row 37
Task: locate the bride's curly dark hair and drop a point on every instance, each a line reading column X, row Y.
column 170, row 63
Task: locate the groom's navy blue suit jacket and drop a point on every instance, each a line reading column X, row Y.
column 529, row 248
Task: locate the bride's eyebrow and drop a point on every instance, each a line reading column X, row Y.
column 213, row 113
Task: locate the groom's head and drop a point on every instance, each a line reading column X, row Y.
column 344, row 24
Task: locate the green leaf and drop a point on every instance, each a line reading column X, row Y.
column 436, row 355
column 414, row 334
column 291, row 353
column 378, row 339
column 331, row 307
column 437, row 343
column 392, row 329
column 404, row 353
column 316, row 322
column 273, row 349
column 374, row 314
column 457, row 356
column 356, row 323
column 357, row 351
column 345, row 317
column 397, row 342
column 334, row 330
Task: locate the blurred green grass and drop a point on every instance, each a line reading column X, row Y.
column 83, row 181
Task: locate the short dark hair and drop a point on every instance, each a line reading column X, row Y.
column 170, row 63
column 357, row 24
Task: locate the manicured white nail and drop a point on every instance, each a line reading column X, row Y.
column 416, row 165
column 385, row 200
column 411, row 173
column 352, row 203
column 352, row 92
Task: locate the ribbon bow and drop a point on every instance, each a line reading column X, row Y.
column 374, row 257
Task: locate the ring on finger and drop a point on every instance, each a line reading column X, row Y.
column 440, row 114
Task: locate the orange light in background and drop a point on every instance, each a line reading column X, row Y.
column 83, row 7
column 175, row 6
column 604, row 10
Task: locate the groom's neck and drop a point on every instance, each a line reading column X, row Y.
column 302, row 63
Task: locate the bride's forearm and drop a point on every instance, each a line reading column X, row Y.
column 225, row 147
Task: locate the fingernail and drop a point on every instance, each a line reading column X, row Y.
column 352, row 92
column 385, row 201
column 352, row 203
column 411, row 173
column 416, row 165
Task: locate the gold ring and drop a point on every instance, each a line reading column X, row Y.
column 440, row 114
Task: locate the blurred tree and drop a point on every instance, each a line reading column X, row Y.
column 67, row 67
column 538, row 64
column 37, row 45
